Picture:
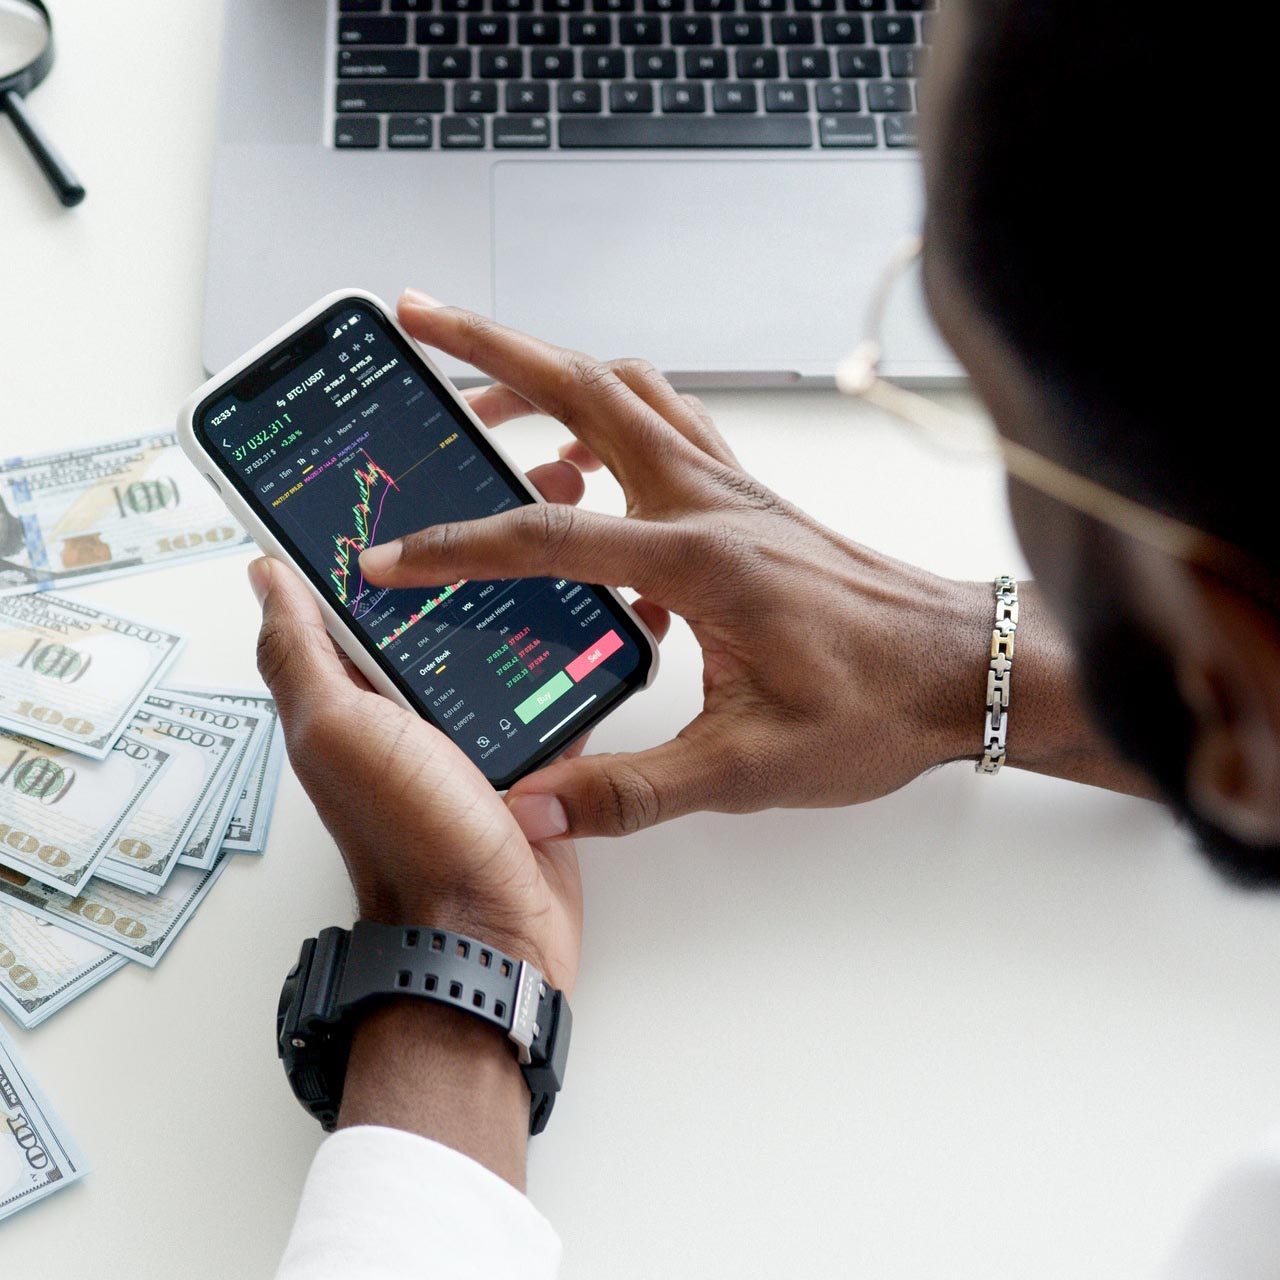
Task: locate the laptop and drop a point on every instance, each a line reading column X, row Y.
column 713, row 185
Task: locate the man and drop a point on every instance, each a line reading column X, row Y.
column 1041, row 267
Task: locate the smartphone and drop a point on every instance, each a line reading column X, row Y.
column 338, row 432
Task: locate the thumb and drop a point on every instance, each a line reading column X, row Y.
column 296, row 658
column 613, row 795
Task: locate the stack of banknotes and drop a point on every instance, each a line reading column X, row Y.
column 124, row 792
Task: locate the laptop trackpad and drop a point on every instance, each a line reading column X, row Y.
column 702, row 266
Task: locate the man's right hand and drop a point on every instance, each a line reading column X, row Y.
column 829, row 671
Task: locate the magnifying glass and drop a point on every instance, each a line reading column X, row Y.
column 26, row 54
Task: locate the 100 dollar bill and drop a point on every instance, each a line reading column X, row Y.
column 59, row 812
column 80, row 515
column 141, row 926
column 173, row 817
column 72, row 674
column 251, row 821
column 253, row 721
column 37, row 1156
column 44, row 968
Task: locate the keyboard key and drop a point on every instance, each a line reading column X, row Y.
column 664, row 6
column 590, row 31
column 488, row 30
column 357, row 131
column 538, row 30
column 859, row 64
column 757, row 64
column 741, row 31
column 360, row 6
column 353, row 96
column 685, row 131
column 437, row 31
column 734, row 97
column 461, row 6
column 706, row 64
column 639, row 31
column 847, row 131
column 865, row 6
column 577, row 98
column 893, row 30
column 786, row 97
column 900, row 131
column 409, row 6
column 764, row 6
column 551, row 64
column 843, row 95
column 692, row 31
column 512, row 6
column 449, row 64
column 474, row 96
column 522, row 131
column 502, row 64
column 808, row 64
column 410, row 131
column 613, row 6
column 792, row 30
column 654, row 64
column 528, row 99
column 604, row 64
column 373, row 30
column 684, row 98
column 815, row 6
column 914, row 6
column 885, row 95
column 844, row 30
column 379, row 64
column 630, row 98
column 713, row 6
column 904, row 63
column 564, row 6
column 462, row 131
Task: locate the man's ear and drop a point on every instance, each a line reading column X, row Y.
column 1228, row 669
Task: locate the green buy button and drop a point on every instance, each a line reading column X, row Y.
column 558, row 684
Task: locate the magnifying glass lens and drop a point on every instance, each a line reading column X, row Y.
column 23, row 36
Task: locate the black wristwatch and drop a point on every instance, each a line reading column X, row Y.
column 340, row 975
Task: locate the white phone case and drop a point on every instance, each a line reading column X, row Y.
column 209, row 466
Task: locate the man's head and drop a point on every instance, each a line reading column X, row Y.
column 1056, row 164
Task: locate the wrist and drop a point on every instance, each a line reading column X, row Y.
column 436, row 1071
column 955, row 659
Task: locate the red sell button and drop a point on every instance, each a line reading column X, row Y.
column 585, row 663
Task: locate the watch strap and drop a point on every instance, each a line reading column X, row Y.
column 340, row 972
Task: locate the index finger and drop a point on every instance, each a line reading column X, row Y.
column 583, row 393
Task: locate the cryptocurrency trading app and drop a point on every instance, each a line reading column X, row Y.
column 353, row 447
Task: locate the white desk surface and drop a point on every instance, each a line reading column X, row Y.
column 983, row 1028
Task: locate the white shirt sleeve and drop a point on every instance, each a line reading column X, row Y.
column 1235, row 1233
column 382, row 1204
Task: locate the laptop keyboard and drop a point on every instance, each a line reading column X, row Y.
column 627, row 74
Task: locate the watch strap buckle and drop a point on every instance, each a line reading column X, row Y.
column 530, row 990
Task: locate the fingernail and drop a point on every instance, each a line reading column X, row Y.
column 379, row 559
column 416, row 298
column 260, row 578
column 539, row 817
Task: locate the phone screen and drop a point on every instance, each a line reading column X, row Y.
column 342, row 438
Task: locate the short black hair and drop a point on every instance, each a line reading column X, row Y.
column 1077, row 190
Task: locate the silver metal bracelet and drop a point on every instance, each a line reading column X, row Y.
column 996, row 724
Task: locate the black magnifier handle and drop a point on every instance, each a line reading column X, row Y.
column 55, row 168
